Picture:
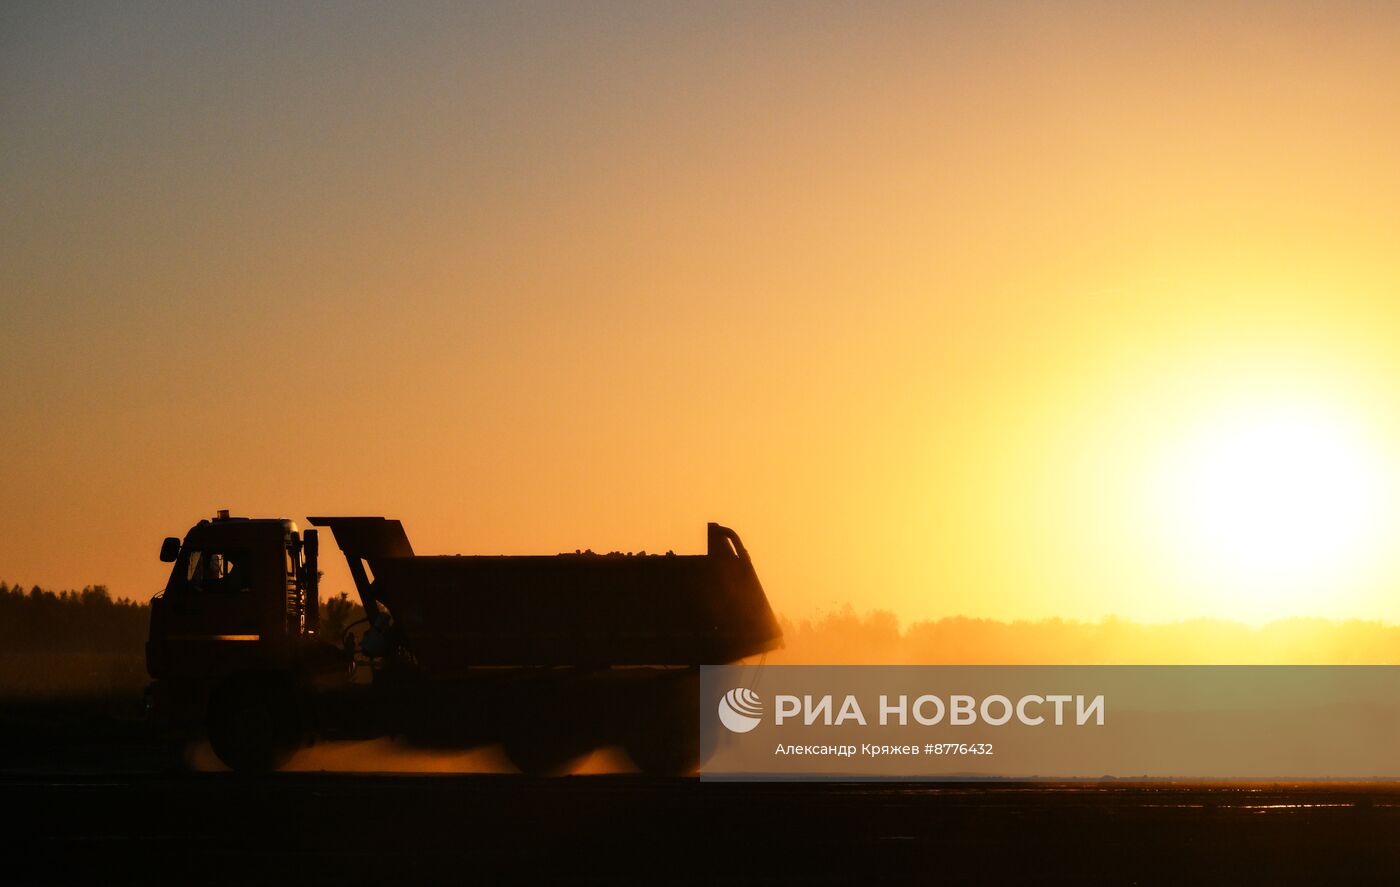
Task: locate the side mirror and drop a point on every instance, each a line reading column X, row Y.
column 169, row 550
column 312, row 541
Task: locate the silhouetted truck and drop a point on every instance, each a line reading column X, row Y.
column 551, row 656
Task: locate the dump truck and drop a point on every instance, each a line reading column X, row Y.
column 550, row 656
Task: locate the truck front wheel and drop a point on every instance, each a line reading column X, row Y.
column 253, row 724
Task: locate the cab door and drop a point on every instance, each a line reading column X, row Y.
column 211, row 612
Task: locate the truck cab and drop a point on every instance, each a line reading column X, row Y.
column 241, row 601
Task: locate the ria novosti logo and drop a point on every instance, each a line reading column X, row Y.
column 740, row 710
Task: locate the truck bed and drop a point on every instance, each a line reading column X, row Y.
column 454, row 612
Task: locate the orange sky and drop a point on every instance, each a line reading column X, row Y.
column 924, row 303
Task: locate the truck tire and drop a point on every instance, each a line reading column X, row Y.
column 663, row 738
column 665, row 751
column 173, row 756
column 545, row 750
column 253, row 725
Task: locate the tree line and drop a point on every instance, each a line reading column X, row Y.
column 845, row 636
column 90, row 620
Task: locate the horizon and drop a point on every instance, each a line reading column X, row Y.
column 840, row 636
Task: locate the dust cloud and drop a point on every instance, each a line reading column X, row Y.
column 387, row 755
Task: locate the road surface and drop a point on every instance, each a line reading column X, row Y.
column 343, row 829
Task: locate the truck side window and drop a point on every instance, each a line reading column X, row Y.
column 217, row 572
column 194, row 570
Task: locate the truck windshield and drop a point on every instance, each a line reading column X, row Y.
column 216, row 572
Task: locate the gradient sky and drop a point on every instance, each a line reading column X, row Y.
column 923, row 301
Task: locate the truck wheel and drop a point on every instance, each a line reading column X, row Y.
column 173, row 756
column 253, row 726
column 664, row 736
column 665, row 752
column 539, row 753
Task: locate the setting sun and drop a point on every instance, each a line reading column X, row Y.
column 1270, row 499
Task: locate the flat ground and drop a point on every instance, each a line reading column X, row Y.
column 88, row 801
column 356, row 829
